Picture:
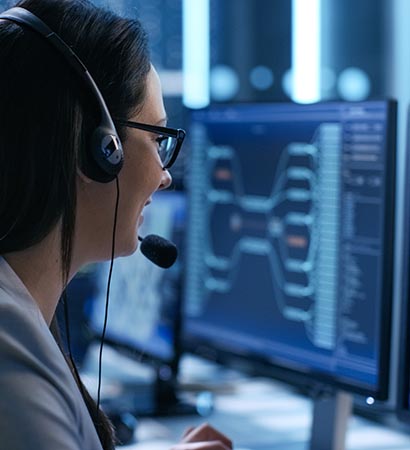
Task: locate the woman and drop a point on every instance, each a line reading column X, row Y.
column 55, row 215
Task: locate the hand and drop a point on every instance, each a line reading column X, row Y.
column 204, row 437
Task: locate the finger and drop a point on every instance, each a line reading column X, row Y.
column 202, row 445
column 206, row 432
column 187, row 431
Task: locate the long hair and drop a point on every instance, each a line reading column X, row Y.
column 47, row 115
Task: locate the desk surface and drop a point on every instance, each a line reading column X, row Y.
column 257, row 414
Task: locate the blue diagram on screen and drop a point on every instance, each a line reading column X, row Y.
column 285, row 246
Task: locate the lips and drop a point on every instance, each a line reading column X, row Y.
column 141, row 216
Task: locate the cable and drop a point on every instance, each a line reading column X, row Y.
column 107, row 297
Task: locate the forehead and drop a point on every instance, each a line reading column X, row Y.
column 153, row 109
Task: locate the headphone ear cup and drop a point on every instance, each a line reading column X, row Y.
column 104, row 159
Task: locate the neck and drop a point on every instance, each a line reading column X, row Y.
column 40, row 269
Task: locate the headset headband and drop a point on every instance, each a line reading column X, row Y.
column 105, row 160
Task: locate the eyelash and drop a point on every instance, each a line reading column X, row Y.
column 159, row 139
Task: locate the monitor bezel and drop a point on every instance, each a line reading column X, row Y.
column 403, row 387
column 311, row 379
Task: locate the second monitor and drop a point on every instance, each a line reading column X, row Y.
column 144, row 313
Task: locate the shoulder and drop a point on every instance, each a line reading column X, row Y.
column 25, row 339
column 40, row 405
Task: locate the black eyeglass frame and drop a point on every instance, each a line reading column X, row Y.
column 177, row 133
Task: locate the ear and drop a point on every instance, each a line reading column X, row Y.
column 83, row 178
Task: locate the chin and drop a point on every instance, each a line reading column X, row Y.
column 127, row 248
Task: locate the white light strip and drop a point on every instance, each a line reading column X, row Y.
column 172, row 83
column 195, row 65
column 306, row 58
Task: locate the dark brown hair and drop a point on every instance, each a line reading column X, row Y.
column 47, row 115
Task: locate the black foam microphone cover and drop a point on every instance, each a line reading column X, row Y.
column 159, row 250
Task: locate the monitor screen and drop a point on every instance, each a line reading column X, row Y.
column 290, row 238
column 145, row 300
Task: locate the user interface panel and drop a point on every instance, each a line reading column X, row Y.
column 290, row 236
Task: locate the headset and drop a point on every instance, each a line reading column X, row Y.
column 105, row 157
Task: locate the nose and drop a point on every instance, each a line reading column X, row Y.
column 166, row 180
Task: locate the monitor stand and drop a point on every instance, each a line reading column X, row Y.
column 167, row 401
column 331, row 412
column 133, row 387
column 158, row 396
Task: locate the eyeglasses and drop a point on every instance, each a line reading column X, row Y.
column 169, row 140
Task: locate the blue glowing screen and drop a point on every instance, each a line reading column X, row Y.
column 288, row 242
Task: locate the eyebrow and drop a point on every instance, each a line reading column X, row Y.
column 162, row 121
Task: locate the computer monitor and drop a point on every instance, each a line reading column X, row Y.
column 145, row 302
column 290, row 239
column 403, row 403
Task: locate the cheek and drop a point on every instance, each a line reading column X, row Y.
column 141, row 175
column 136, row 186
column 138, row 180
